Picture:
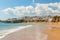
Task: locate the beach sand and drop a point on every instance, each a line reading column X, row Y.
column 53, row 33
column 30, row 33
column 54, row 24
column 34, row 33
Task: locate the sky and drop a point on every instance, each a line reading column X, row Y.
column 20, row 8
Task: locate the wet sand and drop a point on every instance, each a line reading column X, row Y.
column 30, row 33
column 52, row 32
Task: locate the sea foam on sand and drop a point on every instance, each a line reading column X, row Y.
column 3, row 33
column 33, row 32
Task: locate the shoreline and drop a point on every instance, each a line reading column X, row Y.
column 53, row 24
column 14, row 30
column 28, row 33
column 35, row 29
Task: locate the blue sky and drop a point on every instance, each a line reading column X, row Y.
column 47, row 1
column 13, row 3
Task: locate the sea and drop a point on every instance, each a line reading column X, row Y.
column 7, row 28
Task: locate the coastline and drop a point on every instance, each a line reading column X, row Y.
column 14, row 30
column 32, row 32
column 52, row 24
column 53, row 32
column 28, row 33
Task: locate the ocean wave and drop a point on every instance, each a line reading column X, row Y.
column 3, row 33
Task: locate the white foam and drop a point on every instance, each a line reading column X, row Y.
column 6, row 32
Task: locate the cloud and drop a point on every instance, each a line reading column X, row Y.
column 19, row 10
column 45, row 9
column 48, row 9
column 8, row 10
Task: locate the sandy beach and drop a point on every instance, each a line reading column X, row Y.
column 30, row 33
column 54, row 24
column 53, row 33
column 44, row 32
